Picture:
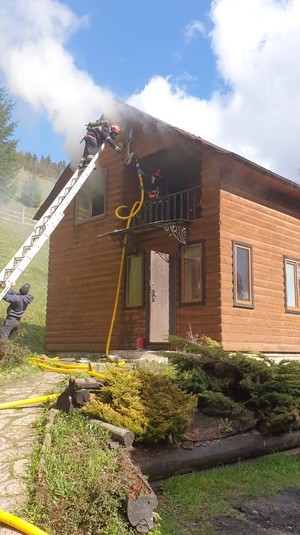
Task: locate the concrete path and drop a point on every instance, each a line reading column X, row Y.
column 17, row 437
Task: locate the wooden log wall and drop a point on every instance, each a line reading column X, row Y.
column 83, row 269
column 254, row 218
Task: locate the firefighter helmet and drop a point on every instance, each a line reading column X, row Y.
column 115, row 128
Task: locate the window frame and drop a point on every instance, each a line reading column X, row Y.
column 236, row 245
column 88, row 186
column 129, row 306
column 295, row 262
column 193, row 302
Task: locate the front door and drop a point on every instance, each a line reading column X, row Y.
column 159, row 328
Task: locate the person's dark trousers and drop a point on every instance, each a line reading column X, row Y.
column 91, row 147
column 9, row 328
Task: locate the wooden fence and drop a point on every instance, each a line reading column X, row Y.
column 16, row 216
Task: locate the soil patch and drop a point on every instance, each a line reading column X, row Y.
column 203, row 431
column 275, row 515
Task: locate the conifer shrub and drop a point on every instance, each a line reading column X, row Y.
column 149, row 404
column 240, row 386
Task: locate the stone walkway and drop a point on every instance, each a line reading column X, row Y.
column 17, row 437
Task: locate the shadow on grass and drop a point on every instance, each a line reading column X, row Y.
column 31, row 336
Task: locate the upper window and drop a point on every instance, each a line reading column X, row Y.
column 90, row 200
column 242, row 275
column 192, row 273
column 292, row 284
column 135, row 281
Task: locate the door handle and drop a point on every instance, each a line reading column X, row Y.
column 153, row 296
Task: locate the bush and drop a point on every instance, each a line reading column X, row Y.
column 11, row 354
column 150, row 404
column 240, row 386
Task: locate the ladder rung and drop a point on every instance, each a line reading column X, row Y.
column 40, row 229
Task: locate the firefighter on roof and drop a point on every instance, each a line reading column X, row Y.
column 98, row 132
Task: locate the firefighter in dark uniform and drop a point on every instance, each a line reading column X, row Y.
column 98, row 132
column 18, row 302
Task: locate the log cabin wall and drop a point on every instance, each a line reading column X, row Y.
column 84, row 268
column 205, row 319
column 264, row 214
column 201, row 319
column 238, row 203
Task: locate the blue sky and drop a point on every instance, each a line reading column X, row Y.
column 226, row 70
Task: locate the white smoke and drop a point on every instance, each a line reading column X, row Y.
column 255, row 43
column 40, row 71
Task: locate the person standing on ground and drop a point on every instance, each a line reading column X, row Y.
column 98, row 132
column 18, row 302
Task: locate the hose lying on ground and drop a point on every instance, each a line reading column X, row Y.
column 20, row 524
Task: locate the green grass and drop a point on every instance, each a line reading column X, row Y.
column 189, row 504
column 81, row 485
column 31, row 330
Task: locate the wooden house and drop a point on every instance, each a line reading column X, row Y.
column 216, row 254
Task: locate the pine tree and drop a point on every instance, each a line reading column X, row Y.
column 8, row 159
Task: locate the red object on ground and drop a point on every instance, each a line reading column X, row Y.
column 140, row 343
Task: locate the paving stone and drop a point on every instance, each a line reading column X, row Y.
column 18, row 437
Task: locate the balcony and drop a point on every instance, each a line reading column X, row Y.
column 182, row 205
column 169, row 212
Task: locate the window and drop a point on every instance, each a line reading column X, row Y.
column 192, row 273
column 292, row 284
column 135, row 281
column 90, row 200
column 242, row 275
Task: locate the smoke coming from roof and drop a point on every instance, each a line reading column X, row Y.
column 39, row 69
column 255, row 44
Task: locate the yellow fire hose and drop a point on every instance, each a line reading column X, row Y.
column 57, row 363
column 133, row 212
column 62, row 367
column 21, row 525
column 30, row 401
column 54, row 364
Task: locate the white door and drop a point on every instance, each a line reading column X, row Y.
column 159, row 297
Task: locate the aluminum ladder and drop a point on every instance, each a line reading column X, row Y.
column 44, row 228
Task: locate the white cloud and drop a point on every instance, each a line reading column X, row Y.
column 256, row 43
column 193, row 29
column 41, row 72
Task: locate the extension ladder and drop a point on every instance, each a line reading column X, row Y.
column 44, row 228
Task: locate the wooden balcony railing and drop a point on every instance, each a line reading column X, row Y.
column 181, row 205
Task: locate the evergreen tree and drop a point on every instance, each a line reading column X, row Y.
column 8, row 145
column 31, row 193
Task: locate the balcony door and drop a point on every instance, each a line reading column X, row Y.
column 159, row 299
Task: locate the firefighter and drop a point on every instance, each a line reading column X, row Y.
column 98, row 132
column 158, row 186
column 18, row 302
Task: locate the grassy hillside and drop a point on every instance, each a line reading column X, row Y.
column 12, row 236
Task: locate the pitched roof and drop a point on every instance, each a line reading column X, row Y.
column 128, row 112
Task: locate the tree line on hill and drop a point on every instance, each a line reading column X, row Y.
column 12, row 161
